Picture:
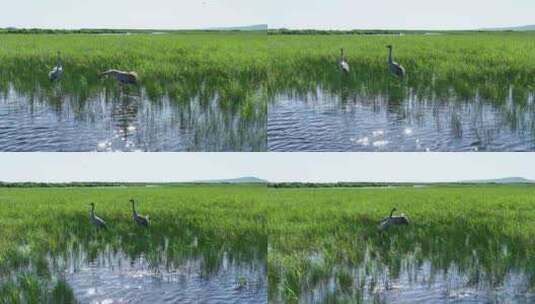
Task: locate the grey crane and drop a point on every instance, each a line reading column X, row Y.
column 95, row 220
column 392, row 220
column 122, row 76
column 140, row 220
column 394, row 67
column 57, row 71
column 342, row 62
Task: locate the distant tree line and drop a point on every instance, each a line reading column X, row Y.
column 383, row 185
column 34, row 31
column 333, row 185
column 269, row 185
column 59, row 185
column 55, row 31
column 284, row 31
column 118, row 184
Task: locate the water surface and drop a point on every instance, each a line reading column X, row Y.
column 114, row 277
column 414, row 280
column 126, row 119
column 322, row 121
column 422, row 284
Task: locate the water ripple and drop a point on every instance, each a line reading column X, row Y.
column 324, row 123
column 108, row 122
column 116, row 278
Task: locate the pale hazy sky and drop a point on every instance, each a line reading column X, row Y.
column 275, row 167
column 166, row 14
column 402, row 14
column 326, row 14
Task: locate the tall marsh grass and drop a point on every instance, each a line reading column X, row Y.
column 43, row 225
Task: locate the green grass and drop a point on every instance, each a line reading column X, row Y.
column 230, row 66
column 323, row 233
column 312, row 235
column 154, row 57
column 236, row 66
column 464, row 64
column 41, row 222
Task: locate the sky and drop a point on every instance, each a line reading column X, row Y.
column 402, row 14
column 319, row 14
column 275, row 167
column 154, row 14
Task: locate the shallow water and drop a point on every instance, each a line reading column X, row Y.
column 127, row 121
column 323, row 122
column 113, row 277
column 423, row 284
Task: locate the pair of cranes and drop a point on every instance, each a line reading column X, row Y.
column 121, row 76
column 394, row 67
column 98, row 222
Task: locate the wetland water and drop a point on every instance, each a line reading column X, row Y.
column 421, row 283
column 145, row 268
column 114, row 277
column 113, row 119
column 322, row 121
column 412, row 279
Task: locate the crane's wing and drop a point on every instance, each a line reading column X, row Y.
column 101, row 221
column 400, row 69
column 345, row 66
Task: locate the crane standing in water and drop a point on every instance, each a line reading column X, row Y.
column 394, row 67
column 342, row 62
column 142, row 221
column 57, row 71
column 95, row 220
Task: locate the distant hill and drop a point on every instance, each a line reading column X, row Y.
column 248, row 28
column 505, row 180
column 239, row 180
column 513, row 28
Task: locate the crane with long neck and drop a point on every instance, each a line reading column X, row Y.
column 342, row 62
column 57, row 71
column 95, row 220
column 394, row 67
column 140, row 220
